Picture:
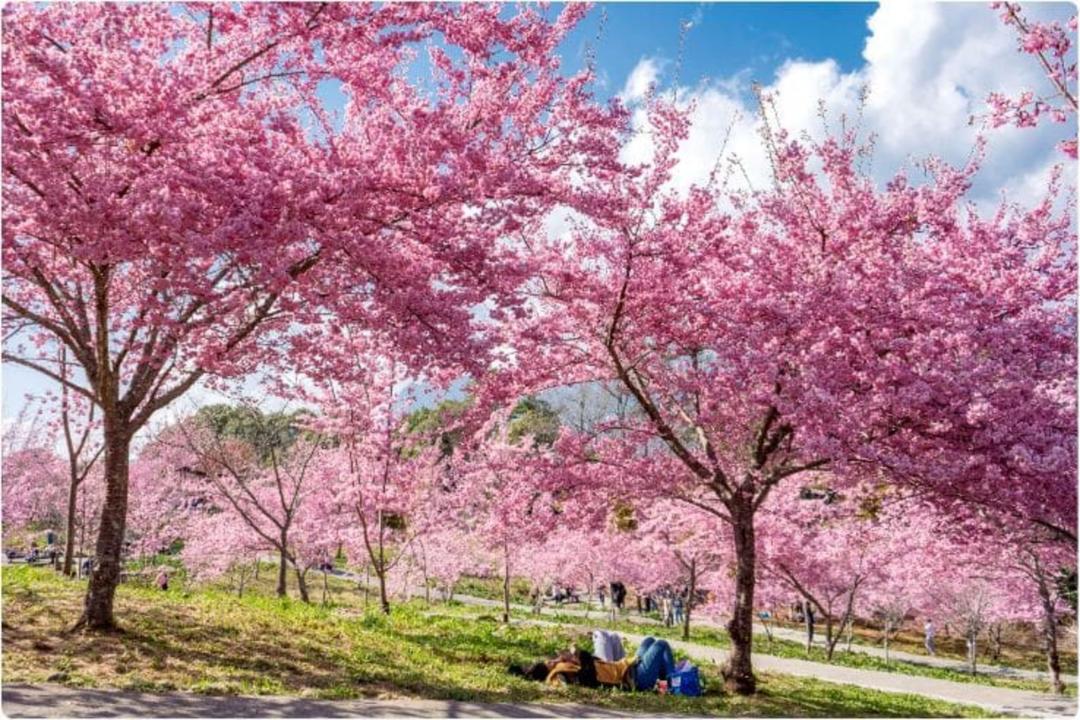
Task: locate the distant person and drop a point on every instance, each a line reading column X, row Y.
column 929, row 631
column 162, row 580
column 808, row 615
column 678, row 603
column 618, row 594
column 667, row 610
column 600, row 594
column 85, row 567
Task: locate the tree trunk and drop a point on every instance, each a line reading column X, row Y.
column 688, row 603
column 888, row 628
column 384, row 601
column 283, row 571
column 101, row 591
column 993, row 634
column 427, row 580
column 69, row 537
column 325, row 587
column 82, row 529
column 808, row 619
column 301, row 583
column 1053, row 659
column 972, row 652
column 739, row 671
column 506, row 585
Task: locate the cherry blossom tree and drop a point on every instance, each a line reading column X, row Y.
column 33, row 472
column 378, row 489
column 817, row 546
column 684, row 553
column 219, row 545
column 809, row 326
column 180, row 204
column 1053, row 47
column 498, row 501
column 266, row 484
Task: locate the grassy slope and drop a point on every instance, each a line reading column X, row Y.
column 213, row 642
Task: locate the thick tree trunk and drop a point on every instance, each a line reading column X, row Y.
column 69, row 535
column 1053, row 659
column 688, row 603
column 283, row 572
column 101, row 591
column 739, row 672
column 993, row 635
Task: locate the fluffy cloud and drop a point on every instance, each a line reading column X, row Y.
column 641, row 78
column 928, row 69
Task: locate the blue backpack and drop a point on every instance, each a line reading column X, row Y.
column 685, row 680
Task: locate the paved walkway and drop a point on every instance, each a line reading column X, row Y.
column 937, row 661
column 56, row 701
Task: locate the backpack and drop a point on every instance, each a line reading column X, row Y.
column 685, row 680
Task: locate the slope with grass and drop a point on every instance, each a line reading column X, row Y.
column 210, row 641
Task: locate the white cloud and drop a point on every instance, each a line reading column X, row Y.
column 641, row 78
column 928, row 69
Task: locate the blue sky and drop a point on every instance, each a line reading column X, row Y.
column 726, row 39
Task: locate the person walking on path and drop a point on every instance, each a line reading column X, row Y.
column 928, row 629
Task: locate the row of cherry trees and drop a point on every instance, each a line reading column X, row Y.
column 236, row 487
column 183, row 208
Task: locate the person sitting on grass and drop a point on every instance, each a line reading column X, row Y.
column 654, row 660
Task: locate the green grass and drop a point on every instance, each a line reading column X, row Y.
column 211, row 641
column 492, row 589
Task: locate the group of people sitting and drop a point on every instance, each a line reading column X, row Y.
column 653, row 661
